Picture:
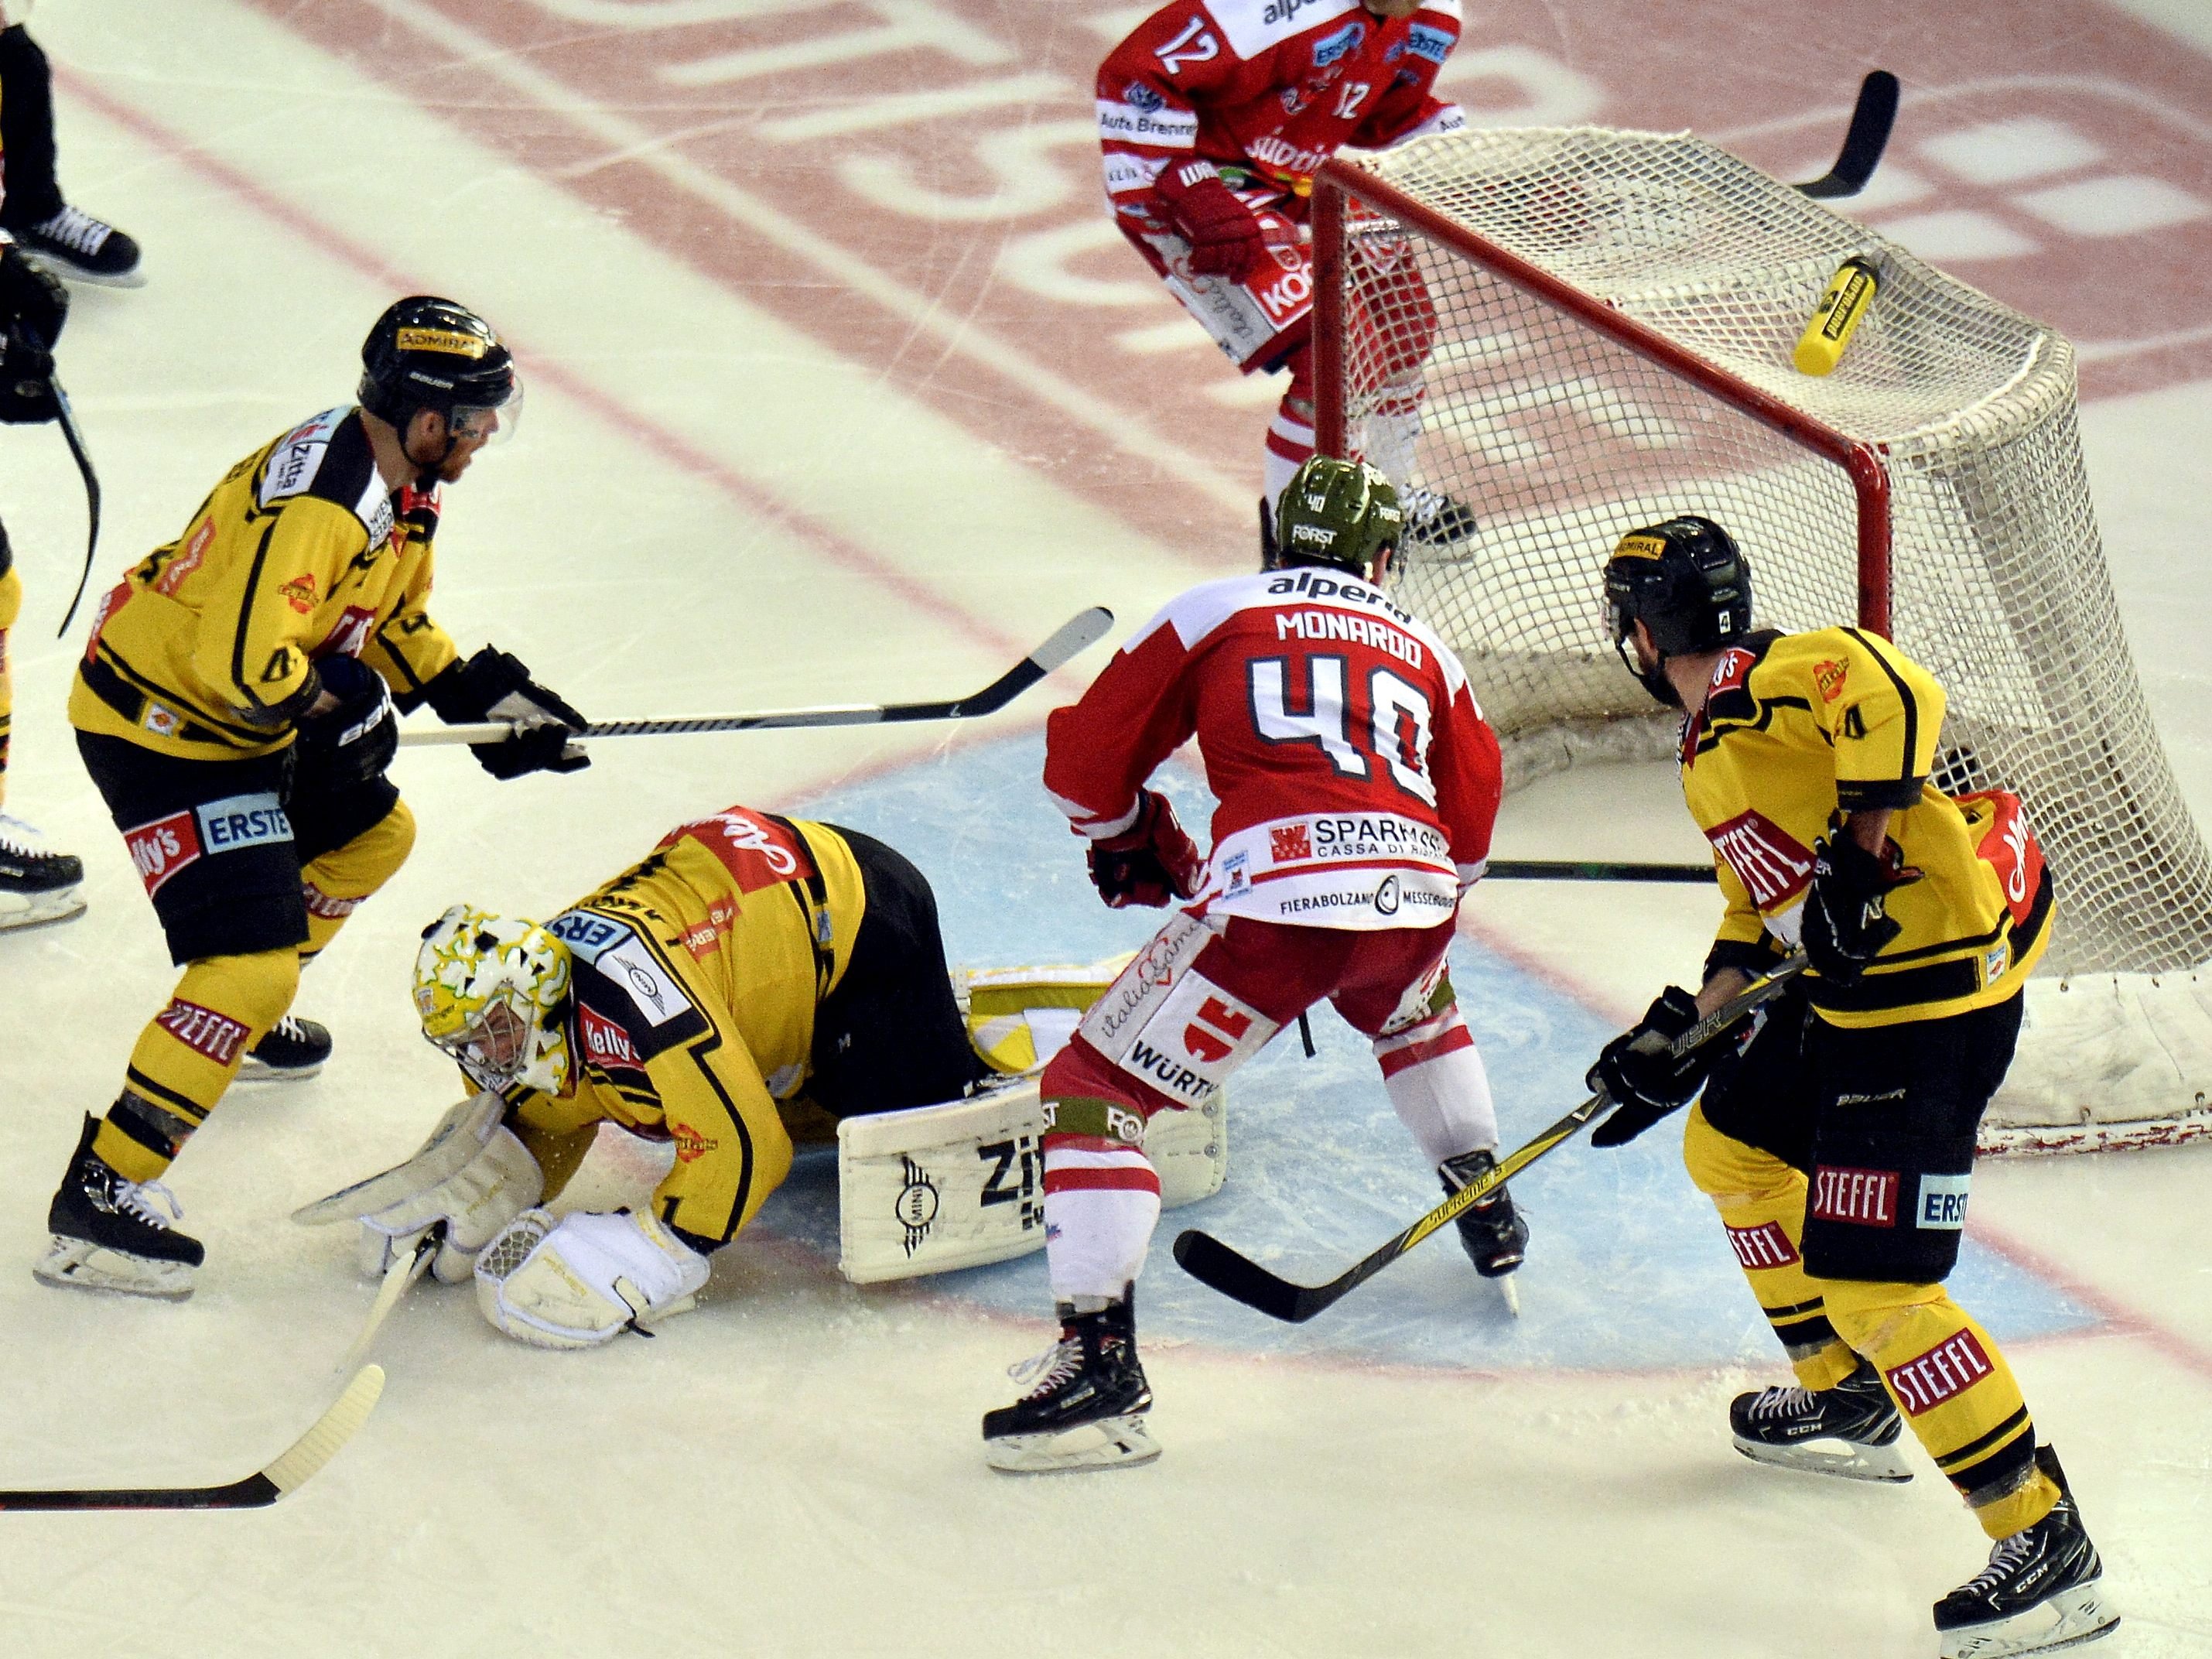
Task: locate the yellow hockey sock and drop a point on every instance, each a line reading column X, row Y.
column 1957, row 1392
column 188, row 1054
column 335, row 884
column 1761, row 1201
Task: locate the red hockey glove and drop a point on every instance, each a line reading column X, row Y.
column 1149, row 862
column 1225, row 238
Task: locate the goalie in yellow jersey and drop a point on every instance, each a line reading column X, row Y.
column 750, row 963
column 1835, row 1135
column 235, row 707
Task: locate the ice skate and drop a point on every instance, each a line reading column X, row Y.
column 110, row 1234
column 1491, row 1230
column 293, row 1051
column 2042, row 1589
column 1086, row 1403
column 36, row 884
column 1852, row 1430
column 1436, row 522
column 75, row 246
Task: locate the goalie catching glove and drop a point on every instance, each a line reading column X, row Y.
column 582, row 1281
column 472, row 1175
column 1847, row 921
column 494, row 686
column 1225, row 238
column 1149, row 862
column 1641, row 1072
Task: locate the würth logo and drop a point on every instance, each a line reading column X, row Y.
column 1763, row 1246
column 1223, row 1028
column 1768, row 862
column 1949, row 1368
column 1864, row 1198
column 202, row 1029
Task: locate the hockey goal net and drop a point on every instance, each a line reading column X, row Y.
column 1575, row 331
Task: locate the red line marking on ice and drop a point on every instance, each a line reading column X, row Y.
column 609, row 408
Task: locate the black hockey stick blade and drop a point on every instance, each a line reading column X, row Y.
column 74, row 438
column 288, row 1473
column 1592, row 870
column 1240, row 1279
column 1079, row 632
column 1869, row 135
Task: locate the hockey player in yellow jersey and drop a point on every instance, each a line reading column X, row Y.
column 1836, row 1134
column 235, row 705
column 751, row 963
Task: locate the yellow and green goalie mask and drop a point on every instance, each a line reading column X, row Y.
column 493, row 993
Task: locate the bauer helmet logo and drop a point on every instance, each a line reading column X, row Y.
column 451, row 340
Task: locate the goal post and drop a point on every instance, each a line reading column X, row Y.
column 1572, row 332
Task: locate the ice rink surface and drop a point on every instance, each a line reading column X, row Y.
column 839, row 389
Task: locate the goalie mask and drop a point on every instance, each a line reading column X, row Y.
column 493, row 993
column 1686, row 582
column 1344, row 514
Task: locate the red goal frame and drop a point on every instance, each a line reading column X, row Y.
column 1862, row 462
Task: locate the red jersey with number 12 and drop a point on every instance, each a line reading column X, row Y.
column 1358, row 780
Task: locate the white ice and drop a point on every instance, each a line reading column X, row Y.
column 794, row 1469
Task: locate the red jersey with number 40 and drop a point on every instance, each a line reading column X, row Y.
column 1358, row 780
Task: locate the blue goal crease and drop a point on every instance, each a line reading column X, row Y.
column 1627, row 1270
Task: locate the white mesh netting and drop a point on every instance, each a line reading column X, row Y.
column 1457, row 381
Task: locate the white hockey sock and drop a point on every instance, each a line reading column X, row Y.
column 1102, row 1200
column 1438, row 1087
column 1392, row 432
column 1290, row 443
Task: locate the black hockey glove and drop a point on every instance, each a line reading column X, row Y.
column 1149, row 863
column 1639, row 1069
column 1845, row 923
column 352, row 742
column 493, row 685
column 32, row 296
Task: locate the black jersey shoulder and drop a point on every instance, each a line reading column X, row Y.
column 328, row 458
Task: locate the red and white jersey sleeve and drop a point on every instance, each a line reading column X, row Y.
column 1272, row 86
column 1358, row 780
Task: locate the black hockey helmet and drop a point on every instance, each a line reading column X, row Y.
column 1344, row 514
column 429, row 353
column 1685, row 580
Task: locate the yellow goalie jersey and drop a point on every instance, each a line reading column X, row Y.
column 203, row 649
column 696, row 978
column 1798, row 730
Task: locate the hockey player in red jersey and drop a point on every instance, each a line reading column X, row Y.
column 1357, row 783
column 1214, row 116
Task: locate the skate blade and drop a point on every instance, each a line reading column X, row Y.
column 46, row 915
column 1111, row 1443
column 260, row 1071
column 1511, row 1292
column 1845, row 1459
column 72, row 1264
column 2067, row 1620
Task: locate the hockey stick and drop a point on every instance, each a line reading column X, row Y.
column 1584, row 869
column 1076, row 634
column 402, row 1273
column 291, row 1469
column 1864, row 141
column 1239, row 1277
column 75, row 439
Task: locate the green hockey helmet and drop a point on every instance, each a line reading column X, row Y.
column 1344, row 514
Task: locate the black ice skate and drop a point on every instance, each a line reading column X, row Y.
column 109, row 1235
column 294, row 1050
column 1434, row 520
column 2041, row 1589
column 1085, row 1408
column 1491, row 1230
column 1852, row 1430
column 36, row 884
column 81, row 248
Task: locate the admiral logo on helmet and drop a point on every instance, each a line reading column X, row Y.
column 441, row 339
